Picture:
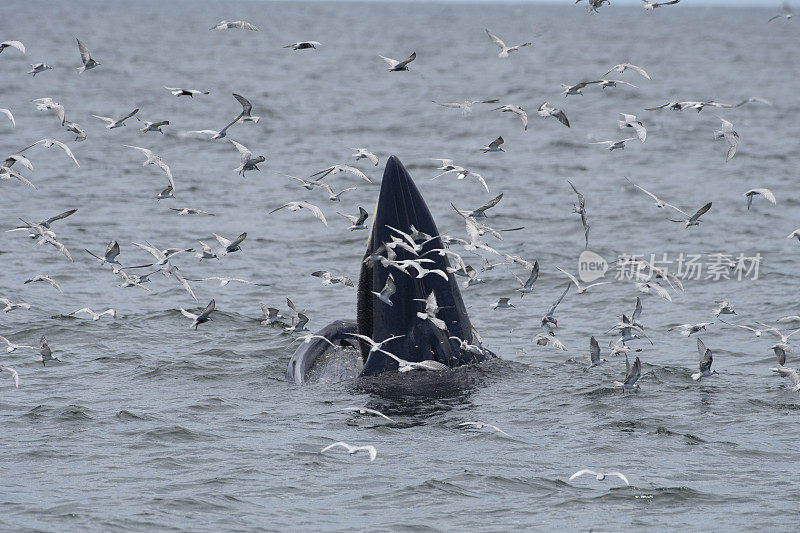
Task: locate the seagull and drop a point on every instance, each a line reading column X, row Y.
column 688, row 329
column 47, row 143
column 431, row 308
column 366, row 411
column 228, row 245
column 693, row 220
column 776, row 331
column 13, row 44
column 723, row 308
column 302, row 45
column 153, row 159
column 46, row 223
column 299, row 320
column 329, row 279
column 614, row 145
column 224, row 280
column 649, row 287
column 8, row 173
column 10, row 306
column 576, row 89
column 80, row 134
column 375, row 346
column 659, row 203
column 248, row 162
column 11, row 346
column 162, row 256
column 271, row 315
column 517, row 110
column 166, row 193
column 613, row 83
column 581, row 210
column 207, row 252
column 297, row 206
column 594, row 353
column 45, row 279
column 466, row 105
column 110, row 255
column 86, row 58
column 449, row 168
column 362, row 153
column 581, row 288
column 549, row 320
column 632, row 375
column 14, row 374
column 705, row 362
column 178, row 91
column 766, row 193
column 44, row 350
column 36, row 68
column 480, row 212
column 650, row 5
column 388, row 290
column 599, row 475
column 96, row 316
column 238, row 24
column 504, row 49
column 786, row 13
column 594, row 5
column 526, row 287
column 481, row 425
column 396, row 66
column 357, row 222
column 795, row 233
column 730, row 136
column 309, row 336
column 335, row 169
column 334, row 197
column 622, row 67
column 787, row 318
column 47, row 104
column 790, row 373
column 545, row 110
column 472, row 277
column 502, row 303
column 373, row 453
column 549, row 338
column 10, row 116
column 630, row 121
column 191, row 211
column 407, row 366
column 494, row 146
column 152, row 126
column 112, row 123
column 202, row 318
column 247, row 108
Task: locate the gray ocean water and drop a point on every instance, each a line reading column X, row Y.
column 149, row 425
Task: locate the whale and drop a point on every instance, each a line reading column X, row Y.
column 340, row 356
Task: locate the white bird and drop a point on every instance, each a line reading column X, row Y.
column 247, row 109
column 299, row 320
column 110, row 255
column 308, row 337
column 10, row 306
column 630, row 121
column 786, row 13
column 603, row 83
column 580, row 289
column 480, row 212
column 466, row 105
column 37, row 68
column 494, row 146
column 502, row 303
column 96, row 316
column 517, row 110
column 705, row 362
column 366, row 411
column 12, row 44
column 546, row 110
column 408, row 366
column 622, row 67
column 152, row 126
column 47, row 143
column 650, row 5
column 766, row 193
column 8, row 173
column 693, row 220
column 297, row 206
column 396, row 66
column 632, row 375
column 334, row 196
column 373, row 453
column 248, row 162
column 329, row 279
column 723, row 308
column 80, row 134
column 165, row 193
column 86, row 58
column 375, row 346
column 302, row 45
column 526, row 287
column 795, row 233
column 46, row 352
column 577, row 88
column 600, row 476
column 792, row 374
column 191, row 211
column 224, row 280
column 776, row 331
column 731, row 137
column 179, row 91
column 10, row 346
column 431, row 308
column 162, row 256
column 116, row 123
column 481, row 425
column 594, row 353
column 48, row 104
column 362, row 153
column 229, row 246
column 548, row 339
column 153, row 159
column 271, row 315
column 357, row 222
column 203, row 317
column 335, row 169
column 12, row 372
column 10, row 116
column 659, row 203
column 615, row 145
column 238, row 24
column 207, row 252
column 504, row 49
column 594, row 5
column 388, row 290
column 687, row 329
column 44, row 279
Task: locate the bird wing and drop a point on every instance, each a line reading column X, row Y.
column 317, row 212
column 7, row 113
column 701, row 347
column 129, row 115
column 405, row 62
column 638, row 70
column 701, row 211
column 187, row 314
column 246, row 105
column 392, row 62
column 582, row 472
column 238, row 240
column 570, row 276
column 185, row 284
column 225, row 242
column 85, row 56
column 60, row 216
column 243, row 150
column 496, row 40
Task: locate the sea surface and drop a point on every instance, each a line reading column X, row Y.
column 149, row 425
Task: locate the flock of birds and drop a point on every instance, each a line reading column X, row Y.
column 650, row 279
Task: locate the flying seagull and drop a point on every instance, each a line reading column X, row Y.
column 693, row 220
column 504, row 49
column 545, row 110
column 13, row 44
column 297, row 206
column 116, row 123
column 238, row 24
column 705, row 362
column 86, row 58
column 622, row 67
column 766, row 193
column 203, row 317
column 179, row 91
column 302, row 45
column 510, row 108
column 396, row 66
column 600, row 476
column 373, row 453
